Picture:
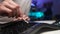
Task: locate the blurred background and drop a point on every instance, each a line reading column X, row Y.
column 44, row 10
column 44, row 16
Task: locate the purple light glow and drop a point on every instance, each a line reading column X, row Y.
column 40, row 2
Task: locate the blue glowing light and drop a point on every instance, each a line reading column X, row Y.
column 39, row 14
column 36, row 14
column 32, row 4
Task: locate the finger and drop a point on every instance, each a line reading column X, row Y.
column 19, row 18
column 6, row 10
column 3, row 8
column 10, row 14
column 26, row 18
column 15, row 19
column 9, row 5
column 14, row 4
column 19, row 12
column 14, row 13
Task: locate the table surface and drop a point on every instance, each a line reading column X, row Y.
column 52, row 32
column 46, row 21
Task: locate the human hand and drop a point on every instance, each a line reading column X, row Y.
column 13, row 10
column 8, row 7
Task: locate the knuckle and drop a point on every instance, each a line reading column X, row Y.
column 4, row 3
column 17, row 6
column 10, row 11
column 13, row 7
